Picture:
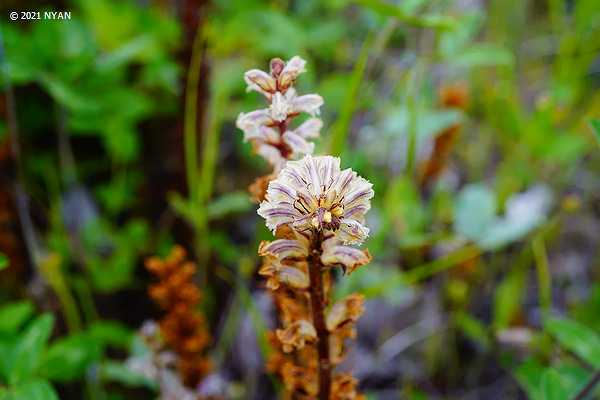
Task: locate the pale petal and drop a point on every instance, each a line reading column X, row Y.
column 341, row 182
column 309, row 128
column 252, row 120
column 297, row 143
column 329, row 167
column 345, row 310
column 312, row 172
column 348, row 257
column 281, row 107
column 277, row 191
column 263, row 133
column 359, row 192
column 283, row 248
column 276, row 214
column 293, row 277
column 260, row 81
column 352, row 232
column 293, row 68
column 309, row 103
column 271, row 154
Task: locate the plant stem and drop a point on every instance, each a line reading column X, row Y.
column 587, row 389
column 317, row 300
column 543, row 275
column 191, row 115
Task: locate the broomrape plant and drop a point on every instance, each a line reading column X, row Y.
column 316, row 211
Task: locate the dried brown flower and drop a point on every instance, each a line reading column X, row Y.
column 182, row 327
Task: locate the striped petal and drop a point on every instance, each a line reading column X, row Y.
column 252, row 120
column 283, row 248
column 309, row 103
column 297, row 143
column 260, row 81
column 352, row 232
column 348, row 257
column 277, row 214
column 310, row 128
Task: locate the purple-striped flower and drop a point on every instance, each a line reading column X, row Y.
column 314, row 194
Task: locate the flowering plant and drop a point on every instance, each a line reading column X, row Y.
column 317, row 212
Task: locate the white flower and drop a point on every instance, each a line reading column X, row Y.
column 269, row 129
column 313, row 194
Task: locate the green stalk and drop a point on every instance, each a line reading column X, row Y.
column 51, row 268
column 191, row 115
column 424, row 271
column 341, row 127
column 413, row 115
column 543, row 274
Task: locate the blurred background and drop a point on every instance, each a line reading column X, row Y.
column 477, row 121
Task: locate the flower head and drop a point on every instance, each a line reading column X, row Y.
column 269, row 129
column 280, row 78
column 313, row 194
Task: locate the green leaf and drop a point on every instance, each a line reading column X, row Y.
column 29, row 349
column 3, row 261
column 68, row 358
column 424, row 21
column 66, row 94
column 552, row 386
column 13, row 315
column 529, row 376
column 111, row 333
column 230, row 203
column 578, row 338
column 34, row 390
column 378, row 282
column 595, row 124
column 508, row 297
column 472, row 328
column 484, row 55
column 474, row 211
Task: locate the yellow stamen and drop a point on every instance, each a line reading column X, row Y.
column 314, row 222
column 327, row 217
column 338, row 210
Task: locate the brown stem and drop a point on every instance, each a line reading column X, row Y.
column 587, row 389
column 317, row 300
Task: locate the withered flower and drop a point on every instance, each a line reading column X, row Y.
column 296, row 335
column 314, row 194
column 346, row 310
column 182, row 327
column 349, row 258
column 345, row 388
column 278, row 273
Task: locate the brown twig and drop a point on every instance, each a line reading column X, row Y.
column 587, row 389
column 317, row 299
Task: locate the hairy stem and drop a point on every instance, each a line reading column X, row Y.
column 317, row 300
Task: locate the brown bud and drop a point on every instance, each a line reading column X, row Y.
column 277, row 65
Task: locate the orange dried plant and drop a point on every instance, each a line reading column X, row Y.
column 451, row 96
column 182, row 327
